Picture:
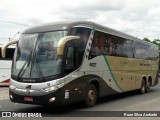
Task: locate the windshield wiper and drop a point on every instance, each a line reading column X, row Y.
column 23, row 69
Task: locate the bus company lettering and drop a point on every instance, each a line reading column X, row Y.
column 145, row 64
column 92, row 64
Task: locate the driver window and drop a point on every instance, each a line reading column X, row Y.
column 70, row 62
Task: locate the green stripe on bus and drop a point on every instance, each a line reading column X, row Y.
column 112, row 73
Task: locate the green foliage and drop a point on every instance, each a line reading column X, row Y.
column 146, row 39
column 155, row 41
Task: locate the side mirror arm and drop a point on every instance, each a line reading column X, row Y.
column 3, row 50
column 62, row 42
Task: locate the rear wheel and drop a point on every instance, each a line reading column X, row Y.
column 90, row 95
column 143, row 87
column 148, row 86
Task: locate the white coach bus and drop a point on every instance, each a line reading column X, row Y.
column 66, row 62
column 5, row 66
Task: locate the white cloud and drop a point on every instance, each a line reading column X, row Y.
column 136, row 17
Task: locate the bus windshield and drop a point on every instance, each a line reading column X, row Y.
column 36, row 55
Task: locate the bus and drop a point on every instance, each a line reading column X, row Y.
column 5, row 66
column 66, row 62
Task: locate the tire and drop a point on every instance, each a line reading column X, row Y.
column 148, row 86
column 90, row 95
column 143, row 87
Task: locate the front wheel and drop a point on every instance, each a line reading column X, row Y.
column 90, row 95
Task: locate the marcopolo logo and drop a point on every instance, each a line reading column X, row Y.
column 28, row 86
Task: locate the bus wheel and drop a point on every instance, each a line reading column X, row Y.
column 91, row 95
column 143, row 87
column 148, row 85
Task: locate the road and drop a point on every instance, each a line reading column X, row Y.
column 130, row 101
column 3, row 92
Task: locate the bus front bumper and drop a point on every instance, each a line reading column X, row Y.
column 53, row 99
column 57, row 98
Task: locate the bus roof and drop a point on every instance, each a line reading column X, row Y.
column 69, row 24
column 56, row 26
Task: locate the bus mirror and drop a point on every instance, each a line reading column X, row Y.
column 3, row 50
column 62, row 43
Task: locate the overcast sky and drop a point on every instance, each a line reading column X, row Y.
column 140, row 18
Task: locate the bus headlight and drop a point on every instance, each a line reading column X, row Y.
column 11, row 97
column 52, row 88
column 12, row 87
column 52, row 99
column 49, row 89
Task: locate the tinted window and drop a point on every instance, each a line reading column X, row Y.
column 144, row 51
column 9, row 53
column 137, row 50
column 156, row 53
column 106, row 44
column 130, row 48
column 70, row 63
column 99, row 45
column 153, row 53
column 84, row 34
column 118, row 46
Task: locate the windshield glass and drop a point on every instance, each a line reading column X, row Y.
column 36, row 55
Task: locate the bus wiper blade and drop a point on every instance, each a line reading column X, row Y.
column 23, row 67
column 29, row 60
column 18, row 76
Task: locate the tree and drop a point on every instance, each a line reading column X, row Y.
column 146, row 39
column 157, row 42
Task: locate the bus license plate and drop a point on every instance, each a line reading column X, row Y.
column 28, row 99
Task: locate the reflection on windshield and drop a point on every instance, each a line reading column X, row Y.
column 46, row 57
column 23, row 53
column 47, row 60
column 40, row 52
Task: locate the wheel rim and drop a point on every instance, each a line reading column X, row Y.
column 91, row 95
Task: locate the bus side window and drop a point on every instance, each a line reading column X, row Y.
column 137, row 50
column 98, row 45
column 95, row 46
column 83, row 33
column 71, row 59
